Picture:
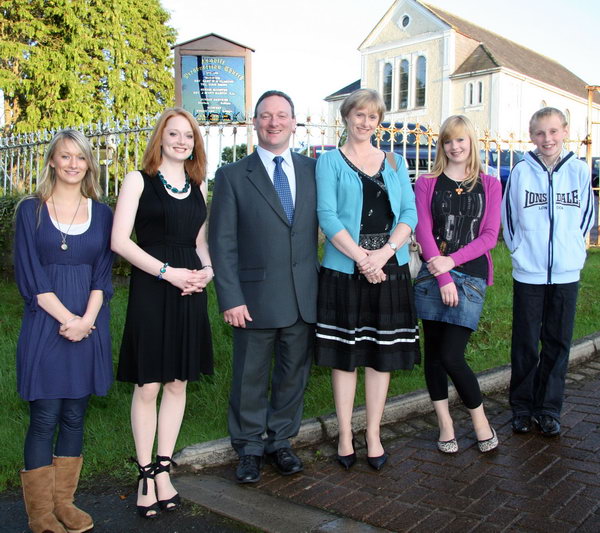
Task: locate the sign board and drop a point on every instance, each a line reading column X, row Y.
column 213, row 88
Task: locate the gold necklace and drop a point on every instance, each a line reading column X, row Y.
column 358, row 161
column 63, row 235
column 459, row 184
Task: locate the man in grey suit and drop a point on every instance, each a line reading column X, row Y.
column 263, row 245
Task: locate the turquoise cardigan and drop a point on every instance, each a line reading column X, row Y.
column 339, row 204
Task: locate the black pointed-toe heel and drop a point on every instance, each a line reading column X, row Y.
column 375, row 462
column 145, row 473
column 172, row 503
column 347, row 461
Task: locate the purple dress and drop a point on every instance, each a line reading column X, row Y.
column 48, row 365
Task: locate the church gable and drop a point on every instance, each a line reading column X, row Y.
column 405, row 20
column 480, row 59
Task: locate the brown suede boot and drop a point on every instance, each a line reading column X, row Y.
column 38, row 493
column 67, row 477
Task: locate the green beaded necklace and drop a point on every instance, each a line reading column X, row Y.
column 174, row 189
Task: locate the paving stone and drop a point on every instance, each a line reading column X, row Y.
column 535, row 522
column 445, row 500
column 371, row 506
column 502, row 516
column 585, row 478
column 478, row 487
column 553, row 475
column 489, row 503
column 440, row 470
column 590, row 525
column 388, row 512
column 409, row 518
column 577, row 510
column 526, row 490
column 473, row 471
column 530, row 484
column 413, row 494
column 487, row 527
column 582, row 466
column 434, row 522
column 443, row 484
column 462, row 524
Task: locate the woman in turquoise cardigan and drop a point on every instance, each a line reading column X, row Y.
column 366, row 314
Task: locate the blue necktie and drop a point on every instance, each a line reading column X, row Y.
column 282, row 186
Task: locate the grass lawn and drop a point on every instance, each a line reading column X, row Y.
column 108, row 440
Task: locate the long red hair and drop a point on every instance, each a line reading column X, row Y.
column 196, row 167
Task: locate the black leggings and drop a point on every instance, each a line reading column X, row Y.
column 44, row 417
column 445, row 346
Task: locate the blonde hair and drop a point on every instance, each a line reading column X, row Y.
column 196, row 167
column 90, row 188
column 545, row 112
column 362, row 98
column 453, row 127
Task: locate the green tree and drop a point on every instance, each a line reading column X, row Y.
column 241, row 150
column 72, row 62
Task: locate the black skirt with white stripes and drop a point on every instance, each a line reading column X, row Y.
column 365, row 324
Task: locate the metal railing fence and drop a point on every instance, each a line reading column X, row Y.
column 119, row 146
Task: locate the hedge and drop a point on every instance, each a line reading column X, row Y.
column 7, row 232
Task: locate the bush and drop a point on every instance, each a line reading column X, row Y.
column 7, row 231
column 8, row 205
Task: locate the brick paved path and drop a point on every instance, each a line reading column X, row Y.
column 530, row 483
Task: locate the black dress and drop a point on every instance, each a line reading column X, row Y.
column 166, row 335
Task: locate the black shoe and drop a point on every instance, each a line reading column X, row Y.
column 347, row 461
column 521, row 423
column 548, row 425
column 375, row 463
column 286, row 461
column 145, row 473
column 248, row 469
column 174, row 502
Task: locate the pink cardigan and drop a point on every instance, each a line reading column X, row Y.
column 488, row 229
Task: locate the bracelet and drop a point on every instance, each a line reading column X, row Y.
column 208, row 266
column 163, row 269
column 70, row 320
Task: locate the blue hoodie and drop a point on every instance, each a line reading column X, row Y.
column 546, row 217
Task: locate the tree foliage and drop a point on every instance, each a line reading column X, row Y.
column 241, row 150
column 72, row 62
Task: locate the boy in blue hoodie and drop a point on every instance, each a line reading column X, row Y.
column 547, row 212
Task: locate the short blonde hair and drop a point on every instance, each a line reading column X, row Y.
column 362, row 98
column 196, row 167
column 453, row 127
column 547, row 112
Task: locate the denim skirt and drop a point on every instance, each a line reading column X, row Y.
column 428, row 300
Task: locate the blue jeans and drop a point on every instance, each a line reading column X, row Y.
column 541, row 313
column 44, row 417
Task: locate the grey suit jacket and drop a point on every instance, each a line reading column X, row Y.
column 259, row 259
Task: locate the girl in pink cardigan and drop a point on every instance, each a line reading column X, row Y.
column 458, row 209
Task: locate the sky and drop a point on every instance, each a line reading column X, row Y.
column 309, row 48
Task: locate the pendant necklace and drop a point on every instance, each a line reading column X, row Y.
column 170, row 187
column 459, row 190
column 63, row 236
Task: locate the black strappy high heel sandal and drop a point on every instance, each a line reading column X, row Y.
column 172, row 503
column 145, row 473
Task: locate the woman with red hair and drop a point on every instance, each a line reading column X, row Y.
column 167, row 338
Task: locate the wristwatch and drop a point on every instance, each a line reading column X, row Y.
column 392, row 245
